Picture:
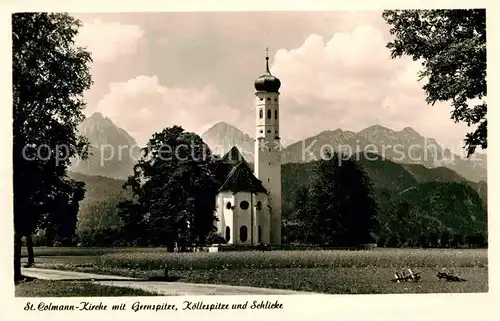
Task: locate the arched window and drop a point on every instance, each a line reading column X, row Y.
column 243, row 233
column 228, row 205
column 275, row 114
column 269, row 114
column 244, row 205
column 259, row 233
column 261, row 113
column 228, row 233
column 259, row 205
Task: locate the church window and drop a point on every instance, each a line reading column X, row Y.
column 268, row 99
column 228, row 233
column 269, row 132
column 269, row 114
column 259, row 233
column 268, row 180
column 228, row 205
column 275, row 114
column 244, row 205
column 259, row 205
column 261, row 131
column 243, row 233
column 261, row 113
column 275, row 99
column 275, row 131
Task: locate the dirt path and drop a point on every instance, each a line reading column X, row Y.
column 163, row 288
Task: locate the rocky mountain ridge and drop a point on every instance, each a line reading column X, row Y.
column 114, row 151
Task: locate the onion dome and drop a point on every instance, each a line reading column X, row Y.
column 267, row 82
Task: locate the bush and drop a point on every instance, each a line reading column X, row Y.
column 215, row 238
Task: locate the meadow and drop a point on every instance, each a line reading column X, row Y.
column 334, row 271
column 49, row 288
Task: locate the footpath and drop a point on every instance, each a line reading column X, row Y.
column 159, row 287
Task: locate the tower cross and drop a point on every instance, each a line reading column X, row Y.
column 267, row 60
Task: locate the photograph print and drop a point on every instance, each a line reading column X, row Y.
column 265, row 152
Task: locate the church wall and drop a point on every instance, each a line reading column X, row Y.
column 267, row 157
column 243, row 218
column 262, row 219
column 219, row 214
column 266, row 112
column 227, row 215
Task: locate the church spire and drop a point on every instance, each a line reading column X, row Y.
column 267, row 60
column 267, row 82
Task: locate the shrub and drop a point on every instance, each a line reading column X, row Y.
column 215, row 238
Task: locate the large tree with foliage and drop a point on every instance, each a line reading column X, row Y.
column 174, row 186
column 99, row 223
column 50, row 75
column 339, row 208
column 59, row 212
column 452, row 47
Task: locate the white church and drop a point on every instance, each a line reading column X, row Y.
column 248, row 204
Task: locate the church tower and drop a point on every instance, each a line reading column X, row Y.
column 268, row 147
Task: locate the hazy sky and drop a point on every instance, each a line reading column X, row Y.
column 154, row 70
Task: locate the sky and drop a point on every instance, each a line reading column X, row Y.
column 155, row 70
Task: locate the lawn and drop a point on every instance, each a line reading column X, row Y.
column 338, row 272
column 49, row 288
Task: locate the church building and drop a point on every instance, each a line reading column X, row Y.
column 248, row 204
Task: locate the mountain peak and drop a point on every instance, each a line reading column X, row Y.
column 97, row 115
column 409, row 130
column 121, row 149
column 376, row 128
column 331, row 132
column 220, row 125
column 221, row 137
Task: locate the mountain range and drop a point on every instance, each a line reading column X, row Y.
column 405, row 146
column 448, row 192
column 114, row 151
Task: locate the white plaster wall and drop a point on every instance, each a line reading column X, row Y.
column 268, row 158
column 243, row 217
column 263, row 218
column 227, row 214
column 268, row 126
column 219, row 214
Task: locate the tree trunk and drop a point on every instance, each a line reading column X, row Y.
column 17, row 257
column 31, row 253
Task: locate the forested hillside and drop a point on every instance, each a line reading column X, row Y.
column 436, row 199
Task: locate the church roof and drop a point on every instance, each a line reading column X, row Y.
column 267, row 82
column 233, row 157
column 242, row 179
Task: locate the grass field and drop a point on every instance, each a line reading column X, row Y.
column 46, row 288
column 339, row 272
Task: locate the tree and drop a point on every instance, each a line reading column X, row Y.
column 58, row 215
column 452, row 47
column 98, row 218
column 50, row 76
column 340, row 209
column 175, row 189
